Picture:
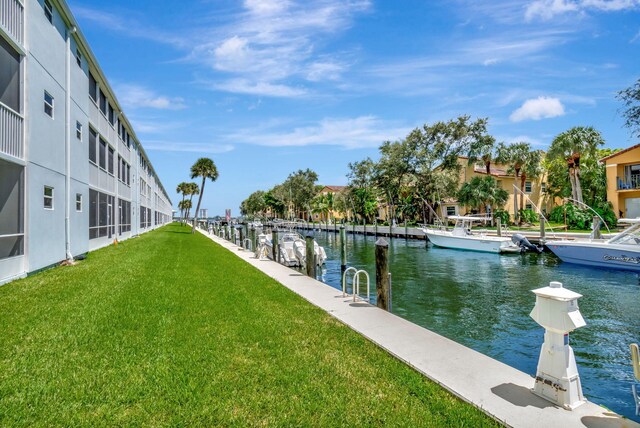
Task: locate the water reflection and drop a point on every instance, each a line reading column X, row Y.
column 483, row 301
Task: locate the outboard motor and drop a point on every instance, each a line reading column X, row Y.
column 524, row 243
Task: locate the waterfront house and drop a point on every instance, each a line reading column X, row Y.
column 623, row 181
column 73, row 174
column 534, row 189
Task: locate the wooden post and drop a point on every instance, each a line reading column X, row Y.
column 543, row 238
column 382, row 273
column 275, row 254
column 406, row 230
column 499, row 226
column 375, row 228
column 310, row 259
column 242, row 237
column 597, row 224
column 252, row 238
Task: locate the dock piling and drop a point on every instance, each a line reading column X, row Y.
column 597, row 224
column 543, row 238
column 310, row 257
column 499, row 226
column 382, row 273
column 274, row 245
column 343, row 252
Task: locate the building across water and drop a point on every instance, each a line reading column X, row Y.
column 73, row 175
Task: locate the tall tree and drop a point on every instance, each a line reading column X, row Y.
column 483, row 151
column 571, row 146
column 301, row 188
column 531, row 169
column 254, row 204
column 182, row 188
column 630, row 97
column 205, row 168
column 515, row 156
column 192, row 189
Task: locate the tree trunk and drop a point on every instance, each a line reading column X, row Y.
column 515, row 200
column 572, row 180
column 488, row 166
column 578, row 186
column 195, row 217
column 523, row 180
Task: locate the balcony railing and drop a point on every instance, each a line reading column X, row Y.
column 12, row 19
column 629, row 183
column 11, row 132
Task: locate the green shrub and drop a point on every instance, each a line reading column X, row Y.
column 503, row 215
column 577, row 218
column 528, row 216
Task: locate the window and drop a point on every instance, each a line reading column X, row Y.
column 48, row 104
column 451, row 211
column 9, row 76
column 124, row 209
column 93, row 142
column 78, row 57
column 101, row 215
column 110, row 160
column 11, row 210
column 103, row 102
column 128, row 175
column 111, row 115
column 93, row 88
column 79, row 202
column 528, row 206
column 103, row 154
column 48, row 198
column 78, row 130
column 543, row 187
column 48, row 11
column 527, row 187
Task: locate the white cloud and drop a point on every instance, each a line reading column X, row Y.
column 490, row 61
column 538, row 108
column 536, row 143
column 246, row 86
column 136, row 96
column 172, row 146
column 318, row 71
column 547, row 9
column 351, row 133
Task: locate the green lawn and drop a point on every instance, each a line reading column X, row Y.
column 171, row 329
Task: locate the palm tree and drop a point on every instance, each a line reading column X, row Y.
column 182, row 188
column 205, row 168
column 192, row 189
column 483, row 151
column 571, row 145
column 184, row 205
column 532, row 169
column 481, row 192
column 516, row 156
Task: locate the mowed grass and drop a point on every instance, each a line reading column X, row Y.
column 169, row 329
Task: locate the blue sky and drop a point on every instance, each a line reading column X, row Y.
column 266, row 87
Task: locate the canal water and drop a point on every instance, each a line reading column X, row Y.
column 483, row 301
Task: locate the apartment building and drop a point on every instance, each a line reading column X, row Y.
column 623, row 181
column 73, row 175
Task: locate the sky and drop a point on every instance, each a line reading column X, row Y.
column 267, row 87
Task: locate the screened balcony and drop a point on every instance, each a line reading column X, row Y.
column 11, row 121
column 631, row 178
column 12, row 19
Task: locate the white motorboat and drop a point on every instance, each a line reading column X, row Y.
column 293, row 250
column 620, row 252
column 462, row 238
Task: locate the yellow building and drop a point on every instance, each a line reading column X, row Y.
column 623, row 181
column 534, row 189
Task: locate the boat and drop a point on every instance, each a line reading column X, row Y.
column 620, row 252
column 293, row 250
column 462, row 238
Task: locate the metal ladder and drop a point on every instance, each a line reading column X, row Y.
column 355, row 283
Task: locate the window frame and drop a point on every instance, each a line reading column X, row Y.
column 48, row 11
column 79, row 129
column 49, row 198
column 51, row 105
column 79, row 202
column 528, row 186
column 78, row 57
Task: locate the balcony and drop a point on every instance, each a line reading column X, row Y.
column 11, row 132
column 628, row 183
column 12, row 19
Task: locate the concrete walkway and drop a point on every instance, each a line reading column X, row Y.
column 500, row 390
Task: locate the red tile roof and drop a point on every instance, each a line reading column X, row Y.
column 334, row 188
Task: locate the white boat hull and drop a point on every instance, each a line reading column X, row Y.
column 597, row 254
column 487, row 244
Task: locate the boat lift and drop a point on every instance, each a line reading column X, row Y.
column 635, row 360
column 355, row 283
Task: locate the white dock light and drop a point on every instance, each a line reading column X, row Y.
column 557, row 378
